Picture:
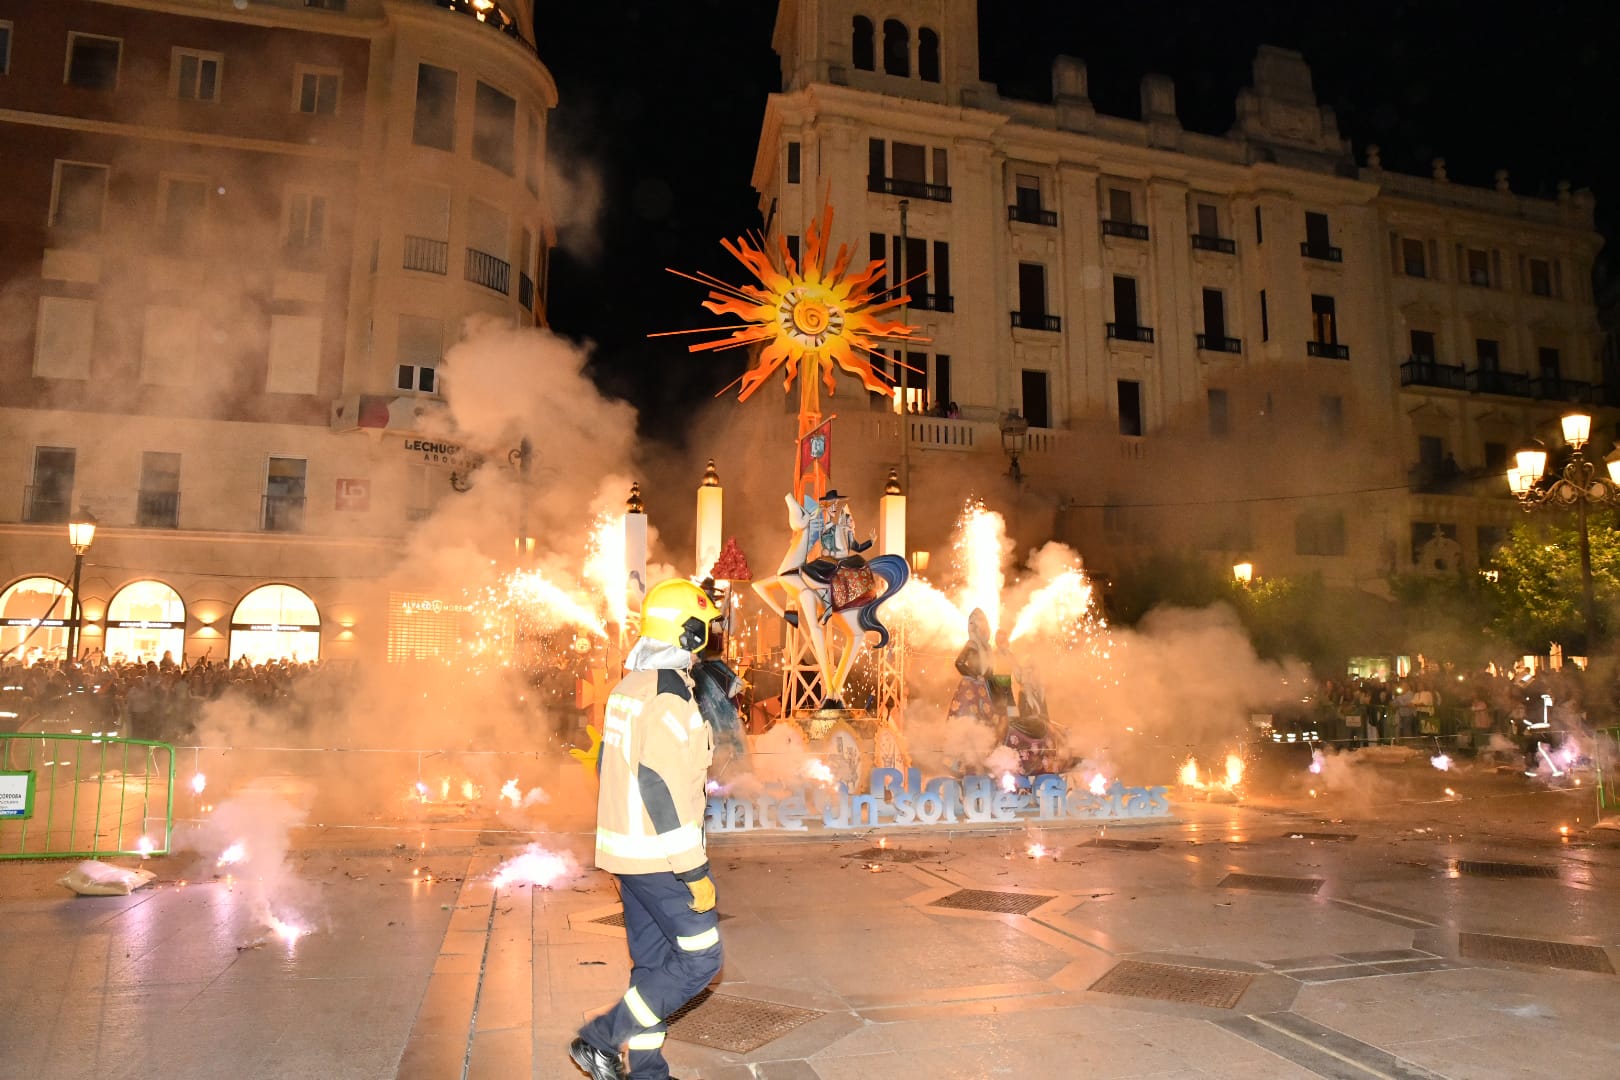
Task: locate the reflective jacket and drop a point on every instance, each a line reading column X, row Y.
column 656, row 750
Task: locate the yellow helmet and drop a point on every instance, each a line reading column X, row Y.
column 678, row 612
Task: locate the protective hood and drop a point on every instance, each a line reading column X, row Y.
column 649, row 654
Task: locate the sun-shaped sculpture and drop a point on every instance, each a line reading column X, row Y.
column 811, row 319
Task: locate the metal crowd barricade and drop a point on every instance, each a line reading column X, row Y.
column 84, row 796
column 1604, row 761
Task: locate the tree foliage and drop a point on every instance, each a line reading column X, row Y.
column 1536, row 597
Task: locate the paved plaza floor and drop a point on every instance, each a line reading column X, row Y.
column 1456, row 938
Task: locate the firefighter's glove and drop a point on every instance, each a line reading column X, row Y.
column 589, row 757
column 702, row 894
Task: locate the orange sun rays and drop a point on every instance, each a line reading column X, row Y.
column 805, row 314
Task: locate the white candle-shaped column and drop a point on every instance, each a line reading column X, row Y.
column 892, row 518
column 710, row 500
column 635, row 555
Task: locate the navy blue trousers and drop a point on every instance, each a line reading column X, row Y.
column 674, row 954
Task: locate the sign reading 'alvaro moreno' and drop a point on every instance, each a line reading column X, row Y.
column 896, row 798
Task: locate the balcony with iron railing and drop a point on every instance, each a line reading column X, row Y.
column 526, row 292
column 1323, row 252
column 1556, row 388
column 1032, row 215
column 1504, row 383
column 426, row 254
column 912, row 189
column 46, row 504
column 1036, row 320
column 486, row 270
column 157, row 509
column 1130, row 229
column 1218, row 343
column 1328, row 350
column 283, row 513
column 1214, row 243
column 932, row 302
column 1130, row 333
column 1426, row 371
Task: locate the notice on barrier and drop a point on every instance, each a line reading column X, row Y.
column 16, row 794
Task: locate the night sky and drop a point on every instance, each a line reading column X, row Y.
column 665, row 101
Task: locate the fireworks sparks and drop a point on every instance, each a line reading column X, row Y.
column 1190, row 777
column 1098, row 784
column 1038, row 851
column 199, row 783
column 145, row 846
column 1318, row 762
column 537, row 867
column 981, row 538
column 1441, row 762
column 286, row 931
column 1061, row 608
column 233, row 855
column 511, row 792
column 817, row 770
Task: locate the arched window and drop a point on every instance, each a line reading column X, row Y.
column 927, row 55
column 275, row 622
column 896, row 48
column 40, row 606
column 864, row 56
column 145, row 620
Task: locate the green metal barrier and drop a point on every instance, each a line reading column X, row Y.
column 1608, row 782
column 84, row 796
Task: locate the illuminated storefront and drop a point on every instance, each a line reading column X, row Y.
column 422, row 627
column 34, row 616
column 145, row 621
column 276, row 622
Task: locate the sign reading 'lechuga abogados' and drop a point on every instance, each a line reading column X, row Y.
column 896, row 798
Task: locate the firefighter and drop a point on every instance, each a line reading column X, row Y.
column 654, row 762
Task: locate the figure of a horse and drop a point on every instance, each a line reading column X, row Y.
column 830, row 591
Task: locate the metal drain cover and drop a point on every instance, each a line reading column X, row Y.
column 1123, row 845
column 1006, row 903
column 1320, row 836
column 617, row 919
column 735, row 1024
column 900, row 855
column 1502, row 869
column 1267, row 883
column 1172, row 982
column 1514, row 950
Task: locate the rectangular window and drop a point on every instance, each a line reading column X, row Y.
column 182, row 206
column 1431, row 453
column 421, row 348
column 194, row 76
column 1119, row 205
column 1548, row 363
column 1331, row 411
column 305, row 223
column 792, row 246
column 877, row 158
column 1324, row 321
column 877, row 251
column 169, row 337
column 910, row 163
column 295, row 355
column 1028, row 190
column 1319, row 533
column 5, row 48
column 534, row 151
column 1316, row 231
column 1265, row 318
column 78, row 196
column 1214, row 314
column 1031, row 288
column 914, row 381
column 317, row 91
column 942, row 383
column 1126, row 316
column 92, row 61
column 435, row 122
column 1496, row 456
column 915, row 254
column 793, row 164
column 64, row 337
column 1477, row 267
column 1036, row 408
column 50, row 496
column 284, row 494
column 1129, row 396
column 942, row 274
column 494, row 128
column 1259, row 233
column 1209, row 220
column 1423, row 345
column 942, row 167
column 1413, row 258
column 157, row 503
column 1541, row 277
column 1220, row 424
column 1488, row 354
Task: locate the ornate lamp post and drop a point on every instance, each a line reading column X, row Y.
column 1014, row 436
column 1579, row 485
column 81, row 533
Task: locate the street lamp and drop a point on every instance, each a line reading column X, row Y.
column 1014, row 435
column 1243, row 573
column 81, row 533
column 1579, row 485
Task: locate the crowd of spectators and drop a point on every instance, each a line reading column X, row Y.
column 156, row 699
